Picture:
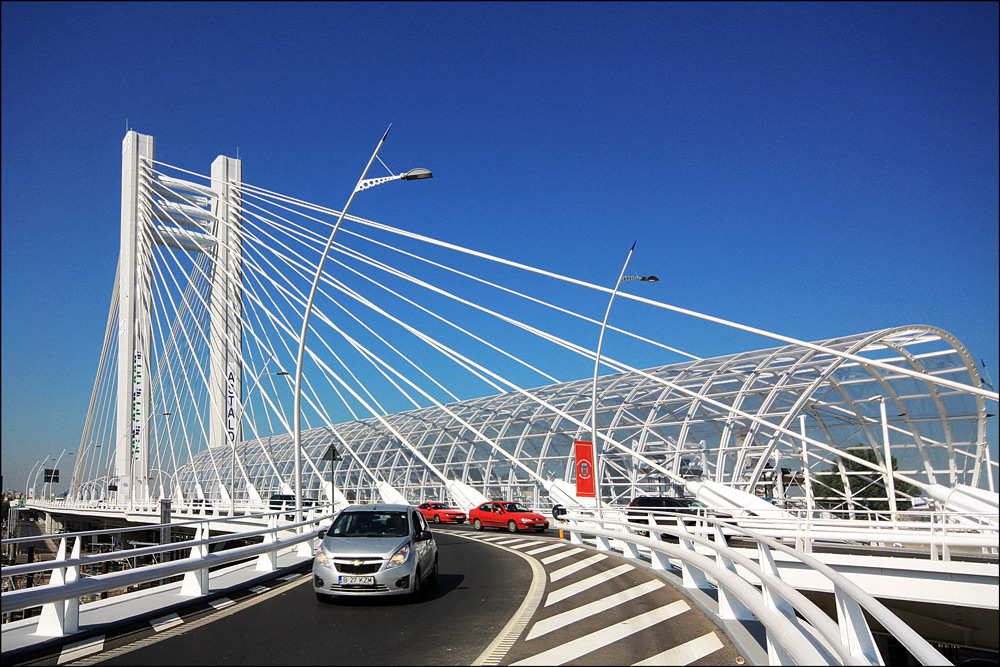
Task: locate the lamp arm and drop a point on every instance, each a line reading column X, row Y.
column 598, row 467
column 296, row 408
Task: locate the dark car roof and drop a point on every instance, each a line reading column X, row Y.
column 661, row 501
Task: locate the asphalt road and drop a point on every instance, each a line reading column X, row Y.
column 450, row 625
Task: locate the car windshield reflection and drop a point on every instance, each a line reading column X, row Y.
column 514, row 507
column 370, row 524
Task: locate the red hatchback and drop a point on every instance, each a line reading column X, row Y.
column 441, row 513
column 507, row 515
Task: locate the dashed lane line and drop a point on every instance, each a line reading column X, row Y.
column 185, row 627
column 166, row 622
column 560, row 621
column 686, row 653
column 541, row 550
column 569, row 591
column 573, row 568
column 530, row 543
column 613, row 633
column 81, row 649
column 548, row 560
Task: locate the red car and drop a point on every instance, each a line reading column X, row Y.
column 507, row 515
column 441, row 513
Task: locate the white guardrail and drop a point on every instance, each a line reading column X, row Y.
column 797, row 631
column 60, row 597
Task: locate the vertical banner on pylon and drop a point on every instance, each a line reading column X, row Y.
column 584, row 450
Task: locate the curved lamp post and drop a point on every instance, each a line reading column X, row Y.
column 232, row 462
column 412, row 175
column 598, row 462
column 28, row 479
column 48, row 485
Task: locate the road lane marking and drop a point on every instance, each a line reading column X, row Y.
column 613, row 633
column 529, row 544
column 560, row 621
column 542, row 550
column 573, row 568
column 561, row 594
column 80, row 649
column 548, row 560
column 166, row 622
column 510, row 540
column 190, row 625
column 686, row 653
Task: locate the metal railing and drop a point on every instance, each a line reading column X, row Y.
column 797, row 630
column 60, row 599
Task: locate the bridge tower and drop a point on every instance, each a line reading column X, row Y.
column 144, row 206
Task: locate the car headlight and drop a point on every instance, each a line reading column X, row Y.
column 526, row 520
column 399, row 557
column 321, row 556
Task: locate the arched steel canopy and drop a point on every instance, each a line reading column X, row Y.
column 732, row 419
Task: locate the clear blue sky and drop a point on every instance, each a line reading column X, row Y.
column 811, row 169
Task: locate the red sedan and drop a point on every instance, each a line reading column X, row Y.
column 441, row 513
column 507, row 515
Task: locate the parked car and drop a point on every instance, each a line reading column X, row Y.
column 199, row 504
column 375, row 550
column 664, row 504
column 512, row 516
column 441, row 513
column 280, row 501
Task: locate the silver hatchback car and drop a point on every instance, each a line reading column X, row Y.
column 375, row 550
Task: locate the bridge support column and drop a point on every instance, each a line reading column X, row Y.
column 134, row 332
column 226, row 312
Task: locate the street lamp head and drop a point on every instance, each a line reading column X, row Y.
column 282, row 373
column 417, row 174
column 649, row 279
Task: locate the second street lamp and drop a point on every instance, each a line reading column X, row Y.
column 412, row 175
column 598, row 463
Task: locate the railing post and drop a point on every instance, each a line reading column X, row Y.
column 52, row 622
column 730, row 606
column 72, row 618
column 692, row 577
column 196, row 581
column 268, row 561
column 854, row 630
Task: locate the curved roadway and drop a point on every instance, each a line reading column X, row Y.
column 501, row 599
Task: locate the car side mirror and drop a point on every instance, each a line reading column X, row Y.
column 322, row 534
column 423, row 535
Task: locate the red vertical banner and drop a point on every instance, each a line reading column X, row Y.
column 584, row 450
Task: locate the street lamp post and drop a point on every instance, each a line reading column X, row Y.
column 412, row 175
column 232, row 462
column 598, row 462
column 28, row 479
column 55, row 468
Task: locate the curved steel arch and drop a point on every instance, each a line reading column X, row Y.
column 663, row 437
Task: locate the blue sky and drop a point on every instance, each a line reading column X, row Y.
column 814, row 169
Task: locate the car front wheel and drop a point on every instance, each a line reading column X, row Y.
column 511, row 526
column 437, row 518
column 415, row 591
column 477, row 524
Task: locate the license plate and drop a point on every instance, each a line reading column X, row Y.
column 364, row 581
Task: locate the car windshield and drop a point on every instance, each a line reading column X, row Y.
column 514, row 507
column 439, row 506
column 370, row 524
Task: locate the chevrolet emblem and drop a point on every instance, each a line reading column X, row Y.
column 357, row 563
